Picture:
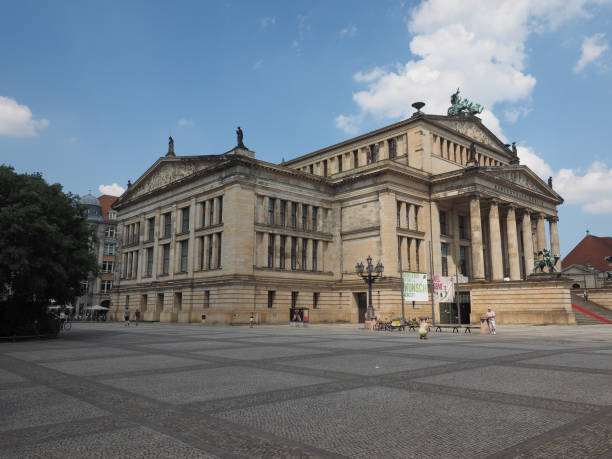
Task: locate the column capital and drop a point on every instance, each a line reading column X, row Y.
column 539, row 215
column 494, row 202
column 552, row 219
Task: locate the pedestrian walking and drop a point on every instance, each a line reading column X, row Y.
column 251, row 320
column 126, row 316
column 586, row 296
column 137, row 316
column 491, row 320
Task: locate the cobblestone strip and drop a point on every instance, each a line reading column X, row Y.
column 41, row 434
column 587, row 437
column 211, row 435
column 498, row 397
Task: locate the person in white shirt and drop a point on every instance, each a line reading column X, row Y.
column 491, row 320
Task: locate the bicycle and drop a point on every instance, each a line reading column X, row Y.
column 65, row 324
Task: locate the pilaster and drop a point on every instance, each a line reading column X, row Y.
column 513, row 252
column 476, row 235
column 497, row 265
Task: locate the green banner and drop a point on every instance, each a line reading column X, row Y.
column 415, row 286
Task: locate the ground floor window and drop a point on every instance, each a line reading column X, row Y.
column 271, row 295
column 294, row 297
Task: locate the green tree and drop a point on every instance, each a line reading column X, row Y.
column 44, row 249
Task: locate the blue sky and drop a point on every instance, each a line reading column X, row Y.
column 90, row 91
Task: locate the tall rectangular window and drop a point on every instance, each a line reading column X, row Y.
column 283, row 243
column 315, row 246
column 108, row 266
column 399, row 209
column 166, row 258
column 184, row 255
column 210, row 252
column 178, row 301
column 211, row 215
column 151, row 228
column 294, row 298
column 315, row 300
column 219, row 249
column 206, row 298
column 443, row 226
column 311, row 168
column 462, row 228
column 293, row 253
column 110, row 231
column 304, row 253
column 294, row 215
column 463, row 260
column 444, row 251
column 314, row 218
column 271, row 295
column 324, row 168
column 107, row 285
column 339, row 163
column 392, row 148
column 109, row 249
column 185, row 219
column 220, row 210
column 149, row 261
column 167, row 224
column 304, row 217
column 271, row 250
column 356, row 158
column 271, row 203
column 283, row 213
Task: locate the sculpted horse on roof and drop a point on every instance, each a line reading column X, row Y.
column 459, row 106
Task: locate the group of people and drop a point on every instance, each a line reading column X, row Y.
column 490, row 316
column 126, row 316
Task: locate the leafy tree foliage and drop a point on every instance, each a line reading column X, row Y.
column 44, row 248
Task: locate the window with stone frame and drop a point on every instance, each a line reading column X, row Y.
column 109, row 248
column 271, row 295
column 220, row 211
column 294, row 215
column 210, row 252
column 463, row 264
column 151, row 228
column 443, row 223
column 167, row 224
column 283, row 243
column 315, row 300
column 314, row 218
column 184, row 255
column 270, row 250
column 219, row 238
column 305, row 217
column 339, row 163
column 444, row 253
column 149, row 261
column 110, row 231
column 462, row 227
column 165, row 259
column 315, row 246
column 178, row 301
column 271, row 203
column 211, row 215
column 293, row 253
column 324, row 168
column 106, row 286
column 392, row 148
column 304, row 253
column 206, row 298
column 311, row 168
column 294, row 299
column 356, row 158
column 185, row 219
column 108, row 266
column 283, row 213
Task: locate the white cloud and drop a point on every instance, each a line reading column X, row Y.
column 475, row 45
column 349, row 31
column 16, row 120
column 531, row 159
column 589, row 189
column 592, row 49
column 514, row 113
column 257, row 65
column 349, row 124
column 113, row 190
column 265, row 22
column 185, row 122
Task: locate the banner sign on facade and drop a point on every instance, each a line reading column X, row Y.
column 415, row 286
column 444, row 289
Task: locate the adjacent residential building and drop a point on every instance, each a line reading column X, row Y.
column 103, row 220
column 216, row 237
column 586, row 265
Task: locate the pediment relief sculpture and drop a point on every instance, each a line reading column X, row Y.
column 166, row 173
column 471, row 130
column 521, row 179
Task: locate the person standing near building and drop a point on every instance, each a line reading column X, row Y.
column 586, row 296
column 126, row 316
column 491, row 320
column 137, row 316
column 251, row 320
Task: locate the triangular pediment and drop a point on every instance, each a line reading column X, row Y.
column 522, row 177
column 472, row 127
column 168, row 170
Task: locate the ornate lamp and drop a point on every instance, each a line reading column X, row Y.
column 373, row 273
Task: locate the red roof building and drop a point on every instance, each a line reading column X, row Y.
column 106, row 201
column 590, row 252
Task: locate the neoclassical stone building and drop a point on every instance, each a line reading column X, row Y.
column 225, row 235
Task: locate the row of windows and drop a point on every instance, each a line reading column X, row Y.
column 408, row 215
column 294, row 299
column 408, row 253
column 298, row 253
column 343, row 161
column 462, row 265
column 445, row 227
column 294, row 215
column 458, row 153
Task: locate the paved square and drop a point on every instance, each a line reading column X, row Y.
column 174, row 390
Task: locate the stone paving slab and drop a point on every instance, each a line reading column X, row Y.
column 575, row 360
column 194, row 345
column 450, row 352
column 34, row 406
column 355, row 423
column 102, row 366
column 6, row 377
column 201, row 385
column 68, row 354
column 261, row 352
column 354, row 344
column 136, row 442
column 569, row 386
column 364, row 365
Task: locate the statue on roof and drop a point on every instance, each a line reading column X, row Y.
column 550, row 182
column 459, row 106
column 548, row 260
column 170, row 147
column 240, row 135
column 515, row 159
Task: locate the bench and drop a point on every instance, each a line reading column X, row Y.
column 468, row 328
column 455, row 328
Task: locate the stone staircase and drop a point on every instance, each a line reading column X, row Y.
column 585, row 319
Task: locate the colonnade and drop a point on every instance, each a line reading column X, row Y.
column 530, row 246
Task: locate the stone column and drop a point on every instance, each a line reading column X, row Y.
column 436, row 249
column 308, row 255
column 215, row 259
column 513, row 252
column 298, row 254
column 277, row 204
column 541, row 233
column 414, row 265
column 412, row 217
column 277, row 247
column 554, row 240
column 527, row 243
column 403, row 249
column 265, row 241
column 402, row 215
column 192, row 254
column 497, row 262
column 476, row 235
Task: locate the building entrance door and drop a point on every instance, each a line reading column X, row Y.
column 362, row 305
column 457, row 312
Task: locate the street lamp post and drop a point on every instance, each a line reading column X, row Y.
column 370, row 275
